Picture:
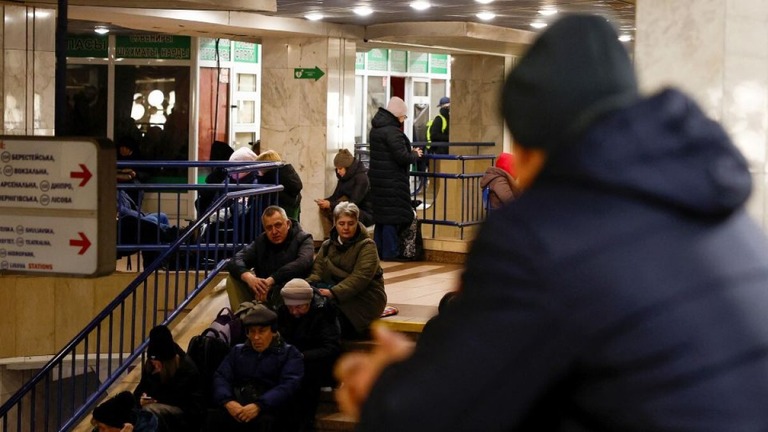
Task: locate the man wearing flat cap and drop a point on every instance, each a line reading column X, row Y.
column 257, row 381
column 353, row 186
column 310, row 322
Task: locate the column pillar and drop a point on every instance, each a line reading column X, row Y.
column 716, row 51
column 27, row 69
column 307, row 121
column 476, row 84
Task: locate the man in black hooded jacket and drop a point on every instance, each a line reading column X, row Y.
column 625, row 290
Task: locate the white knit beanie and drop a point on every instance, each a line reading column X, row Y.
column 243, row 154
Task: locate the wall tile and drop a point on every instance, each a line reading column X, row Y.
column 15, row 28
column 15, row 97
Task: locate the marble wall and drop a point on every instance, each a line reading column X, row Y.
column 717, row 51
column 307, row 120
column 27, row 76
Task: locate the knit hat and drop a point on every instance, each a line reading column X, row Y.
column 161, row 345
column 397, row 107
column 117, row 411
column 546, row 108
column 343, row 159
column 296, row 292
column 444, row 101
column 506, row 161
column 243, row 154
column 259, row 315
column 220, row 151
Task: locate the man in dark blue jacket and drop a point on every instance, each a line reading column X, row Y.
column 258, row 380
column 625, row 290
column 282, row 252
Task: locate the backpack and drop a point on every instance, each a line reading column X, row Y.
column 228, row 327
column 207, row 351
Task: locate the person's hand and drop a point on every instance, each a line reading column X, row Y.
column 235, row 410
column 259, row 286
column 146, row 400
column 323, row 204
column 250, row 412
column 325, row 292
column 419, row 151
column 357, row 372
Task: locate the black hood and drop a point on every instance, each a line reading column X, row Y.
column 353, row 169
column 662, row 149
column 384, row 118
column 575, row 72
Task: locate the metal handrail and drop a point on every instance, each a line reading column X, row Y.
column 117, row 307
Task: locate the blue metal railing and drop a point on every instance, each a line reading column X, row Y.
column 429, row 186
column 63, row 391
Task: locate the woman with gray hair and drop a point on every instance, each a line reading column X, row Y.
column 348, row 273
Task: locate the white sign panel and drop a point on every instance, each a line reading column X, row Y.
column 45, row 175
column 48, row 244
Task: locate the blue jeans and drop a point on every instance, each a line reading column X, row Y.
column 387, row 241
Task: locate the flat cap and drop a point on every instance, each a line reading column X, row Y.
column 259, row 315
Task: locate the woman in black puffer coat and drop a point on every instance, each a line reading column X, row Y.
column 391, row 157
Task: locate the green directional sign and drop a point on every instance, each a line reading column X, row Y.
column 308, row 73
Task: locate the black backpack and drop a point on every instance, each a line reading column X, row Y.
column 207, row 351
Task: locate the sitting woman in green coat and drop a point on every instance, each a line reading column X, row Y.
column 347, row 271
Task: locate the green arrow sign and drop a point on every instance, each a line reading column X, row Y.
column 307, row 73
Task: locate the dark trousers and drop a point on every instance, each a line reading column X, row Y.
column 387, row 241
column 219, row 420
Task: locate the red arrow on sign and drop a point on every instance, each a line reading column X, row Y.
column 83, row 243
column 83, row 174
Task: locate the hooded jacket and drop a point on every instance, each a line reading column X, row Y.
column 391, row 158
column 355, row 275
column 354, row 185
column 501, row 185
column 625, row 290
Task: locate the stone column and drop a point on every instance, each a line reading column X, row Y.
column 717, row 51
column 307, row 120
column 27, row 69
column 476, row 83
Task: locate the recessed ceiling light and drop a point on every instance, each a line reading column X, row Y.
column 547, row 11
column 101, row 30
column 625, row 38
column 484, row 1
column 314, row 16
column 363, row 10
column 420, row 5
column 485, row 16
column 538, row 24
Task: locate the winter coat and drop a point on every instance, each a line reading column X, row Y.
column 356, row 278
column 391, row 158
column 355, row 186
column 277, row 371
column 316, row 334
column 625, row 290
column 283, row 262
column 184, row 390
column 502, row 187
column 290, row 197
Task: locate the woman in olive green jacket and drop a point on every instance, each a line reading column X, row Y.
column 347, row 271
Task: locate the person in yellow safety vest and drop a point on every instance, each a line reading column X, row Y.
column 438, row 130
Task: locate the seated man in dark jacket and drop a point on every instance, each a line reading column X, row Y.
column 310, row 323
column 257, row 381
column 282, row 252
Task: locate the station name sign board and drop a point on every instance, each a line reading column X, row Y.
column 54, row 205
